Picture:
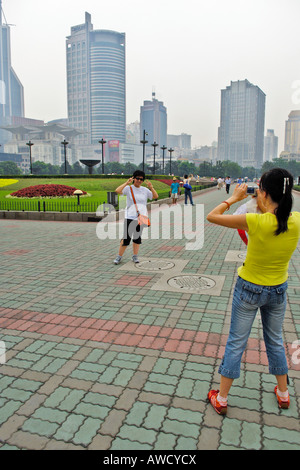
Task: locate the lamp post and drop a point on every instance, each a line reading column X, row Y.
column 163, row 148
column 30, row 144
column 65, row 143
column 144, row 142
column 170, row 150
column 102, row 142
column 154, row 145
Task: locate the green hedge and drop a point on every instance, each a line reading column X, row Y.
column 149, row 177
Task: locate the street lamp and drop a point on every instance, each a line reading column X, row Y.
column 30, row 144
column 163, row 148
column 170, row 150
column 102, row 142
column 65, row 143
column 154, row 145
column 144, row 142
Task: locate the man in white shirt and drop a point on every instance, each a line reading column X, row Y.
column 132, row 230
column 228, row 183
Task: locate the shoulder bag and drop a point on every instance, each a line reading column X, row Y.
column 143, row 220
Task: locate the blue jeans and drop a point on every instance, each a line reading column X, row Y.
column 188, row 193
column 247, row 299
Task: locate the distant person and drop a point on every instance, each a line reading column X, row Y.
column 187, row 189
column 132, row 230
column 220, row 183
column 175, row 190
column 228, row 183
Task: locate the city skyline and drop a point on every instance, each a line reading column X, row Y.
column 188, row 53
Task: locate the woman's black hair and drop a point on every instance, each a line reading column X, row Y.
column 278, row 183
column 139, row 173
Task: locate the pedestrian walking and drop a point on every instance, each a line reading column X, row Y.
column 220, row 183
column 175, row 190
column 228, row 183
column 262, row 279
column 187, row 189
column 132, row 229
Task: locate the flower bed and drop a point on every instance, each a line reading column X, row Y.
column 46, row 190
column 167, row 181
column 7, row 182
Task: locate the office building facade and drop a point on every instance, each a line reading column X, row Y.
column 96, row 85
column 11, row 89
column 241, row 131
column 153, row 120
column 271, row 146
column 292, row 133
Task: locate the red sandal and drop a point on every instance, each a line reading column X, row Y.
column 284, row 404
column 212, row 397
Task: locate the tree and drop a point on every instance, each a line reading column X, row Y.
column 9, row 168
column 129, row 168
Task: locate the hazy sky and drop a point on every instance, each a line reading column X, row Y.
column 187, row 50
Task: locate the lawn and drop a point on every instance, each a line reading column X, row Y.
column 96, row 188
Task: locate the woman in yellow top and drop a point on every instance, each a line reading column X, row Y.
column 262, row 282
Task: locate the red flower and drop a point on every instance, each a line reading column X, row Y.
column 46, row 190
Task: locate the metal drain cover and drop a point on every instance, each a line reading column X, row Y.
column 192, row 283
column 155, row 265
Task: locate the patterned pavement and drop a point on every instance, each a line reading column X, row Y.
column 102, row 357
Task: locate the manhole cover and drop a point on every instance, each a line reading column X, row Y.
column 192, row 283
column 155, row 265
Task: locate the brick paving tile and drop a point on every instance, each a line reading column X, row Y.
column 104, row 361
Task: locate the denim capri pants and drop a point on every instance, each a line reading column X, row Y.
column 247, row 299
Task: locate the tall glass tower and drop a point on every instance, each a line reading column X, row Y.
column 153, row 118
column 241, row 131
column 11, row 89
column 96, row 85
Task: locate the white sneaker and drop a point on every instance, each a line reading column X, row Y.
column 135, row 259
column 118, row 259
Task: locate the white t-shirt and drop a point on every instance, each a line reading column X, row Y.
column 141, row 195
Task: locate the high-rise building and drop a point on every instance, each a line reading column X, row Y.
column 153, row 119
column 271, row 146
column 96, row 83
column 11, row 89
column 241, row 131
column 292, row 133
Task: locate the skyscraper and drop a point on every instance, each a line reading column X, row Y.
column 292, row 133
column 96, row 85
column 241, row 131
column 153, row 119
column 271, row 146
column 11, row 89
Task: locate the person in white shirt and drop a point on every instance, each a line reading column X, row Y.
column 220, row 183
column 132, row 230
column 228, row 183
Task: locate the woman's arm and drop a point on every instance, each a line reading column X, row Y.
column 120, row 188
column 217, row 216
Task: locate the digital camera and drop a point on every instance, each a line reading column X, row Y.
column 252, row 190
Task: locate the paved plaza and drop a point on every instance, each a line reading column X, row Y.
column 106, row 357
